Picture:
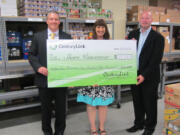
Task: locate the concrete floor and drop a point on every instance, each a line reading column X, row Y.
column 77, row 123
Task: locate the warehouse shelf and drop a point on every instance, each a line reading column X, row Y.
column 79, row 20
column 20, row 68
column 132, row 23
column 17, row 68
column 18, row 107
column 10, row 74
column 172, row 73
column 161, row 24
column 172, row 55
column 13, row 63
column 172, row 81
column 154, row 23
column 19, row 94
column 24, row 19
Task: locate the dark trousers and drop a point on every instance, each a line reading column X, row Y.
column 47, row 95
column 145, row 98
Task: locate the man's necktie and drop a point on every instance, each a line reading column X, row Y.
column 52, row 35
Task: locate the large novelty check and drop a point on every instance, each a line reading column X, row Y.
column 91, row 62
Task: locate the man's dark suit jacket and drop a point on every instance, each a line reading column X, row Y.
column 151, row 55
column 38, row 55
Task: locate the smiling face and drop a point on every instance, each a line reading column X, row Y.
column 100, row 31
column 53, row 21
column 145, row 20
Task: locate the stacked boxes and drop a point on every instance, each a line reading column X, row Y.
column 165, row 18
column 8, row 8
column 172, row 110
column 159, row 14
column 135, row 12
column 166, row 35
column 171, row 16
column 171, row 4
column 174, row 15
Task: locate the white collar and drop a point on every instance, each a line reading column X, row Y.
column 49, row 32
column 147, row 31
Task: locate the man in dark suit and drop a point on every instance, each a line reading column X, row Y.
column 38, row 60
column 150, row 46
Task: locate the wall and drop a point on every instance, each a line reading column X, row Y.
column 118, row 8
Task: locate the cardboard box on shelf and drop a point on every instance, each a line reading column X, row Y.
column 162, row 29
column 135, row 12
column 170, row 17
column 166, row 48
column 150, row 8
column 170, row 113
column 171, row 120
column 165, row 18
column 172, row 94
column 171, row 129
column 159, row 10
column 155, row 17
column 167, row 41
column 176, row 4
column 173, row 12
column 129, row 15
column 135, row 16
column 171, row 4
column 138, row 8
column 175, row 19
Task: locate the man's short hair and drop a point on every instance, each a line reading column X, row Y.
column 52, row 11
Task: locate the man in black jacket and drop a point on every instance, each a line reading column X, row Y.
column 150, row 46
column 38, row 60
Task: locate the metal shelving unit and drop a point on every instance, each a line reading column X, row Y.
column 12, row 69
column 19, row 94
column 26, row 20
column 18, row 107
column 2, row 62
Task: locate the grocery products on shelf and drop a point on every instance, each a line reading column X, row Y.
column 80, row 30
column 65, row 8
